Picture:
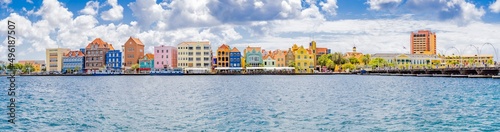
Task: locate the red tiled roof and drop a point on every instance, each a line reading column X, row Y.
column 74, row 53
column 235, row 49
column 150, row 56
column 136, row 40
column 100, row 43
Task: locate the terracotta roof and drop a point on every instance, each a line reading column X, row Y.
column 136, row 40
column 194, row 42
column 235, row 50
column 223, row 46
column 150, row 56
column 100, row 43
column 74, row 53
column 249, row 49
column 319, row 50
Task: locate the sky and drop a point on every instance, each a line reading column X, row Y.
column 373, row 26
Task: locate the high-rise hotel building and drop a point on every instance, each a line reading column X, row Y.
column 423, row 42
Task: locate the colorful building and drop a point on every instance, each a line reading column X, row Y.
column 469, row 60
column 280, row 57
column 114, row 60
column 235, row 58
column 304, row 60
column 223, row 55
column 195, row 57
column 253, row 57
column 146, row 63
column 37, row 64
column 407, row 60
column 54, row 59
column 312, row 48
column 289, row 57
column 268, row 60
column 95, row 56
column 132, row 50
column 74, row 61
column 165, row 57
column 423, row 42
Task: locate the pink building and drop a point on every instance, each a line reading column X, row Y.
column 165, row 57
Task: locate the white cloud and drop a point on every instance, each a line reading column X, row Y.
column 258, row 4
column 5, row 3
column 382, row 4
column 330, row 6
column 495, row 7
column 91, row 8
column 29, row 1
column 113, row 14
column 55, row 14
column 459, row 11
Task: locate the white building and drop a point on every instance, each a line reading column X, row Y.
column 194, row 57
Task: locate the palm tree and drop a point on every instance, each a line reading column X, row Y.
column 366, row 59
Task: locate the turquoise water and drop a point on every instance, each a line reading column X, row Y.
column 266, row 103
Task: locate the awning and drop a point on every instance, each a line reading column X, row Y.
column 196, row 69
column 228, row 68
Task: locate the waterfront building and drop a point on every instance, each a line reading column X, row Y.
column 73, row 61
column 269, row 60
column 235, row 58
column 289, row 57
column 133, row 50
column 146, row 63
column 469, row 60
column 95, row 56
column 399, row 60
column 165, row 57
column 304, row 60
column 37, row 64
column 312, row 48
column 280, row 57
column 223, row 56
column 423, row 42
column 253, row 57
column 354, row 54
column 195, row 57
column 114, row 60
column 54, row 58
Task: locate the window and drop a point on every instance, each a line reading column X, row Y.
column 198, row 53
column 206, row 53
column 198, row 48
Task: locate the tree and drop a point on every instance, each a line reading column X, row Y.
column 323, row 59
column 291, row 64
column 77, row 68
column 348, row 66
column 135, row 67
column 366, row 59
column 377, row 62
column 338, row 58
column 354, row 60
column 28, row 68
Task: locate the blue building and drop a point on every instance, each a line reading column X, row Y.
column 73, row 61
column 253, row 57
column 114, row 60
column 235, row 58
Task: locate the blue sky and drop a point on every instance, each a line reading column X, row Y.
column 374, row 26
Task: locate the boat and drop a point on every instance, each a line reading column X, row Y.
column 167, row 72
column 104, row 73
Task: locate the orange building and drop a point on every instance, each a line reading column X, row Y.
column 223, row 56
column 280, row 57
column 95, row 54
column 133, row 50
column 423, row 42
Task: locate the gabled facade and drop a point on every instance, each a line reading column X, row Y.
column 146, row 63
column 289, row 57
column 235, row 58
column 253, row 57
column 114, row 60
column 74, row 61
column 95, row 56
column 133, row 50
column 269, row 60
column 304, row 62
column 223, row 56
column 280, row 58
column 165, row 57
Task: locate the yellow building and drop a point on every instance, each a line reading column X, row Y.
column 37, row 64
column 54, row 58
column 469, row 59
column 304, row 62
column 312, row 47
